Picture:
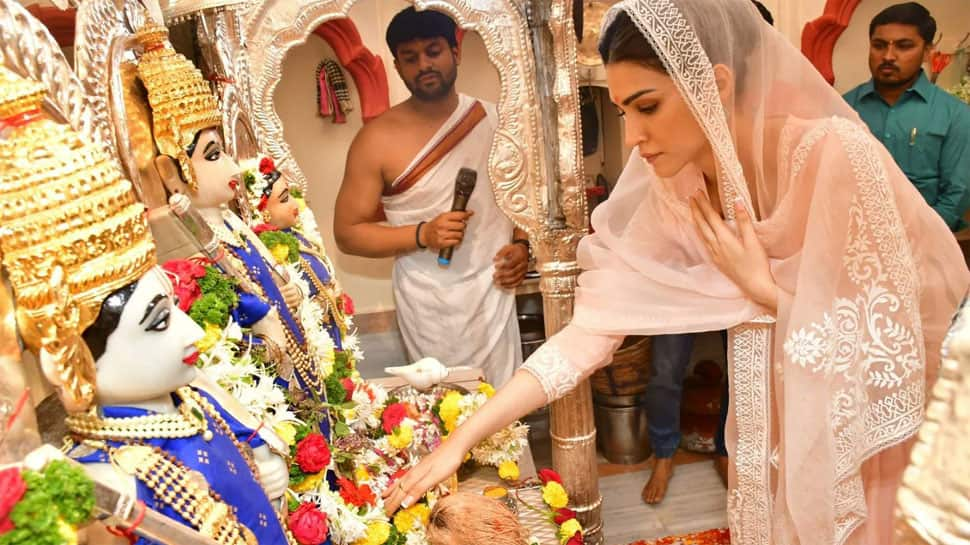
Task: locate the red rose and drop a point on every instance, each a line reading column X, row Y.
column 347, row 304
column 187, row 293
column 263, row 227
column 577, row 539
column 393, row 415
column 349, row 387
column 184, row 269
column 12, row 488
column 564, row 514
column 546, row 475
column 354, row 495
column 313, row 454
column 266, row 165
column 308, row 524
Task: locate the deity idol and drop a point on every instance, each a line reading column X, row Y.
column 195, row 168
column 278, row 222
column 99, row 313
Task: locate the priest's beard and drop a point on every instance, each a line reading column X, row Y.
column 445, row 82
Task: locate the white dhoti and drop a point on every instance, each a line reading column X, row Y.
column 455, row 314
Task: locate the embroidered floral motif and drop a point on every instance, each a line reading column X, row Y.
column 550, row 367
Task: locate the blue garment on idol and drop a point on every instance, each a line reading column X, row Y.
column 259, row 271
column 222, row 465
column 320, row 271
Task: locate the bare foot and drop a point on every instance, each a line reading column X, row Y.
column 721, row 465
column 656, row 488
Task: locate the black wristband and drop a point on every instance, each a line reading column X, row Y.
column 523, row 241
column 417, row 236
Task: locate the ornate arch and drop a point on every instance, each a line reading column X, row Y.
column 365, row 67
column 273, row 27
column 819, row 36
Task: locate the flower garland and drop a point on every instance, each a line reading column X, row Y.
column 570, row 531
column 503, row 449
column 284, row 246
column 224, row 352
column 45, row 507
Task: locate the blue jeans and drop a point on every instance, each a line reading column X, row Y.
column 670, row 357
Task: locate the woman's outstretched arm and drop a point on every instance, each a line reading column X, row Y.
column 547, row 375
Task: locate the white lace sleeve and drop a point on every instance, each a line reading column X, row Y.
column 553, row 371
column 558, row 373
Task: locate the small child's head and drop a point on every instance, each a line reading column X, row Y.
column 464, row 518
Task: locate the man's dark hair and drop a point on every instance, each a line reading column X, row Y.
column 909, row 13
column 411, row 24
column 764, row 12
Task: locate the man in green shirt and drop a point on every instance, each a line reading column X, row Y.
column 926, row 129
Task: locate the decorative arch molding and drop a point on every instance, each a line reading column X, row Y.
column 819, row 36
column 365, row 67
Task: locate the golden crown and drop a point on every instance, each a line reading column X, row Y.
column 182, row 103
column 72, row 232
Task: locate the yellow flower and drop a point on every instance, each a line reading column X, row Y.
column 212, row 335
column 68, row 532
column 568, row 530
column 423, row 512
column 286, row 431
column 487, row 389
column 301, row 204
column 404, row 521
column 449, row 410
column 310, row 483
column 508, row 471
column 361, row 475
column 377, row 533
column 401, row 438
column 280, row 253
column 554, row 495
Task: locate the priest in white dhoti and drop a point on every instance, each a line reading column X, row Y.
column 396, row 200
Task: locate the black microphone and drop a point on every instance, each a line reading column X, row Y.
column 464, row 185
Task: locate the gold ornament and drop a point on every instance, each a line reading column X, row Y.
column 181, row 102
column 72, row 232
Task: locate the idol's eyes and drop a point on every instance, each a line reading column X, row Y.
column 157, row 313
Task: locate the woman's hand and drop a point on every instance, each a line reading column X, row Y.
column 740, row 257
column 433, row 469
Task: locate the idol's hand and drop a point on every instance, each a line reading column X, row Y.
column 511, row 264
column 292, row 295
column 445, row 231
column 179, row 204
column 433, row 469
column 740, row 257
column 274, row 475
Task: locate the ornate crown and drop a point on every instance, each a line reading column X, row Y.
column 182, row 104
column 71, row 232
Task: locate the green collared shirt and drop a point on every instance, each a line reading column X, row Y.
column 927, row 132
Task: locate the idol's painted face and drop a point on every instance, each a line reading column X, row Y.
column 896, row 54
column 216, row 172
column 282, row 206
column 428, row 66
column 152, row 351
column 657, row 120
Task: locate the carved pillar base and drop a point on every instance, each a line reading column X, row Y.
column 571, row 418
